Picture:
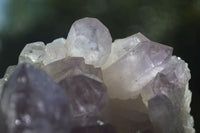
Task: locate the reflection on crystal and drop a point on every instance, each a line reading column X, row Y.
column 90, row 39
column 33, row 53
column 32, row 102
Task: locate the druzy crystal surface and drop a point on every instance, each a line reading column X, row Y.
column 91, row 85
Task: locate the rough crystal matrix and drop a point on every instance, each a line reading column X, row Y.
column 133, row 85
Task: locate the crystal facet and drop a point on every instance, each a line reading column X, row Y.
column 32, row 103
column 88, row 100
column 55, row 51
column 133, row 71
column 33, row 53
column 120, row 47
column 90, row 39
column 69, row 67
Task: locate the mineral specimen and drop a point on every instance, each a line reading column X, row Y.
column 142, row 88
column 90, row 39
column 88, row 100
column 32, row 103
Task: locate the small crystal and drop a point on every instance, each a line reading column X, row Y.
column 33, row 53
column 31, row 102
column 88, row 100
column 55, row 51
column 90, row 39
column 69, row 67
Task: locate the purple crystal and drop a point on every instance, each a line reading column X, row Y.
column 88, row 100
column 32, row 103
column 107, row 128
column 163, row 115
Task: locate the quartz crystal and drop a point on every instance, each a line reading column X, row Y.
column 90, row 39
column 33, row 53
column 133, row 85
column 71, row 66
column 128, row 75
column 32, row 103
column 55, row 51
column 88, row 100
column 120, row 47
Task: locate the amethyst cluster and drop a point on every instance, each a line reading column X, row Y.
column 88, row 84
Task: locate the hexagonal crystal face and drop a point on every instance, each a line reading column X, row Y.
column 90, row 39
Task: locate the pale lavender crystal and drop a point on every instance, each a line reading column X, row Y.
column 133, row 71
column 32, row 103
column 88, row 100
column 90, row 39
column 69, row 67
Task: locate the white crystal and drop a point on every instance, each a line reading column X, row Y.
column 120, row 47
column 55, row 51
column 33, row 53
column 90, row 39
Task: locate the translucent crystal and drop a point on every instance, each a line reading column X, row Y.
column 126, row 77
column 120, row 47
column 163, row 115
column 55, row 51
column 33, row 53
column 69, row 67
column 32, row 103
column 90, row 39
column 88, row 100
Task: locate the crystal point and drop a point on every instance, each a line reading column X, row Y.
column 32, row 102
column 90, row 39
column 33, row 53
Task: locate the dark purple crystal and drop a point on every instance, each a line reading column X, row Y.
column 107, row 128
column 32, row 102
column 88, row 100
